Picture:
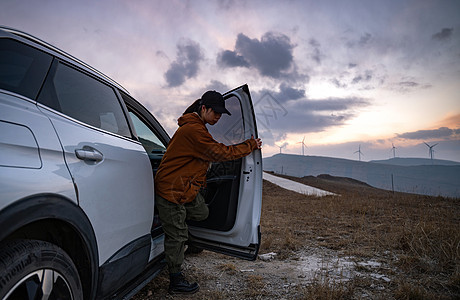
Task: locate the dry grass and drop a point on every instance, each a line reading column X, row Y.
column 229, row 268
column 255, row 286
column 419, row 236
column 416, row 238
column 322, row 288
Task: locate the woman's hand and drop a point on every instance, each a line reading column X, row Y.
column 258, row 141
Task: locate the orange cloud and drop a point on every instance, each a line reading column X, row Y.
column 451, row 121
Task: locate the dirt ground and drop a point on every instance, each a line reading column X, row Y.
column 365, row 244
column 223, row 277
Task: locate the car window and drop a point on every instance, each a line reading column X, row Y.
column 22, row 68
column 147, row 137
column 230, row 129
column 84, row 98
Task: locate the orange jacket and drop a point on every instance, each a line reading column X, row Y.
column 182, row 171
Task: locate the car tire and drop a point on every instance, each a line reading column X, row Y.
column 31, row 269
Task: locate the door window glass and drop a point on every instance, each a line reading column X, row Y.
column 85, row 99
column 22, row 68
column 230, row 129
column 147, row 137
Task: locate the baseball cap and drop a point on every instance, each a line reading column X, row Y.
column 216, row 101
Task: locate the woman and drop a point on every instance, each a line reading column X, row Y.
column 182, row 173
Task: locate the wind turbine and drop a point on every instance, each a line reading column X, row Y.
column 303, row 144
column 359, row 152
column 393, row 148
column 282, row 146
column 430, row 150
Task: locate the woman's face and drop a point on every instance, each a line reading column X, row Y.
column 209, row 116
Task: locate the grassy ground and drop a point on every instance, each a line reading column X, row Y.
column 414, row 239
column 418, row 236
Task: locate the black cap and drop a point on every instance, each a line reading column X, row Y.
column 216, row 101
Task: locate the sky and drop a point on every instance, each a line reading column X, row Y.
column 379, row 77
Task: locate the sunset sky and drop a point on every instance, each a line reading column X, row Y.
column 341, row 74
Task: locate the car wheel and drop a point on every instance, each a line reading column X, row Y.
column 31, row 269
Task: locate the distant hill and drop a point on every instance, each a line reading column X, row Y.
column 408, row 161
column 433, row 180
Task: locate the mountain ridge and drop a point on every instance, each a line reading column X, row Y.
column 415, row 161
column 433, row 180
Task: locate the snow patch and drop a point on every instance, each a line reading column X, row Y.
column 338, row 268
column 295, row 186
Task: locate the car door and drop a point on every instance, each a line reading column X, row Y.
column 110, row 169
column 234, row 188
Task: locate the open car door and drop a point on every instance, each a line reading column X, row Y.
column 234, row 188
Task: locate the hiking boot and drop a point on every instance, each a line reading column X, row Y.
column 179, row 285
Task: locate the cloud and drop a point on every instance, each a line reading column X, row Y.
column 226, row 4
column 440, row 133
column 361, row 42
column 443, row 35
column 316, row 55
column 161, row 54
column 338, row 83
column 271, row 56
column 298, row 121
column 229, row 58
column 366, row 79
column 452, row 120
column 332, row 105
column 407, row 85
column 287, row 93
column 367, row 76
column 276, row 115
column 364, row 39
column 216, row 85
column 186, row 65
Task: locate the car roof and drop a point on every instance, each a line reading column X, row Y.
column 34, row 41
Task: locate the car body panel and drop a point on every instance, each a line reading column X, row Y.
column 20, row 181
column 243, row 238
column 19, row 147
column 117, row 192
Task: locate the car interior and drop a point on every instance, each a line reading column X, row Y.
column 223, row 178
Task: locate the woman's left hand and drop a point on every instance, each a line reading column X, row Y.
column 258, row 141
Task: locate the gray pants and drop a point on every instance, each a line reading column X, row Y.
column 173, row 217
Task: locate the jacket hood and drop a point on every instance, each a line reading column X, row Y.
column 190, row 118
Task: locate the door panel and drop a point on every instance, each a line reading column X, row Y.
column 115, row 192
column 234, row 188
column 110, row 170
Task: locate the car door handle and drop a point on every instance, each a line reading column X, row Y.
column 89, row 153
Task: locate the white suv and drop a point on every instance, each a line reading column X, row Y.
column 77, row 161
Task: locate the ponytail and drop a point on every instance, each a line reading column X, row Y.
column 195, row 107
